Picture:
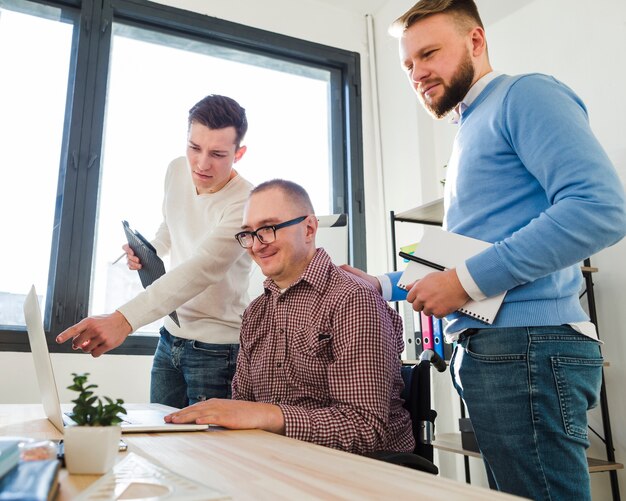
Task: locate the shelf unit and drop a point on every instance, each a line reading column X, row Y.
column 432, row 214
column 451, row 442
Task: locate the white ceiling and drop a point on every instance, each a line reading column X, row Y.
column 491, row 11
column 357, row 6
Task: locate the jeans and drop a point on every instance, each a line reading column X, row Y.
column 185, row 371
column 527, row 391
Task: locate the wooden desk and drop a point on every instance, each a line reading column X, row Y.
column 253, row 464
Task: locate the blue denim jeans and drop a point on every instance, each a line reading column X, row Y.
column 527, row 391
column 185, row 371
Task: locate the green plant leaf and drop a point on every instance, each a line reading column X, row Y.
column 89, row 410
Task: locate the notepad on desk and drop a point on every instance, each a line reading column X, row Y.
column 448, row 250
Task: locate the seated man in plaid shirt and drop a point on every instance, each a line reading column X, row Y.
column 320, row 350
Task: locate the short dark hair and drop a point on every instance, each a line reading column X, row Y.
column 296, row 193
column 464, row 11
column 219, row 112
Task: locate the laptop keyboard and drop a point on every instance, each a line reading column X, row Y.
column 121, row 416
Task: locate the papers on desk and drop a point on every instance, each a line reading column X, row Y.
column 449, row 250
column 135, row 477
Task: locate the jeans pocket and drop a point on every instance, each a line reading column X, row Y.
column 212, row 349
column 578, row 383
column 494, row 346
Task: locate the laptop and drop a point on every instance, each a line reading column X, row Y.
column 141, row 418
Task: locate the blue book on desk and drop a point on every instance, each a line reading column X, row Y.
column 31, row 481
column 9, row 455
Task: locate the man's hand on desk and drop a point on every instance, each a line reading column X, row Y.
column 233, row 414
column 438, row 294
column 98, row 334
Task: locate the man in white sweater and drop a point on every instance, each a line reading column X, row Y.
column 208, row 280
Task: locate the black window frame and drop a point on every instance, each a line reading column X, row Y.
column 79, row 172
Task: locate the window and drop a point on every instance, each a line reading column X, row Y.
column 146, row 124
column 31, row 128
column 82, row 164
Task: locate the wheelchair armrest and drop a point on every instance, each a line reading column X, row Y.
column 408, row 459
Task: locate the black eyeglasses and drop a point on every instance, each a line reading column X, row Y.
column 265, row 234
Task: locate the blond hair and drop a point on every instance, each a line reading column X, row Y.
column 464, row 12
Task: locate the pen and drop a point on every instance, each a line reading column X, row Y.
column 419, row 260
column 119, row 258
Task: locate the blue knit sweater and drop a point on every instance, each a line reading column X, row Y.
column 527, row 174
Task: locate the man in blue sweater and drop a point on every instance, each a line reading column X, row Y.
column 527, row 174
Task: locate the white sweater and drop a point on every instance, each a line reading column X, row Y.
column 208, row 280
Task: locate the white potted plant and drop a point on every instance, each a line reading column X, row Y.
column 92, row 444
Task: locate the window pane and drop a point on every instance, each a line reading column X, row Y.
column 154, row 80
column 34, row 62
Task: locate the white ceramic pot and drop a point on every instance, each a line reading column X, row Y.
column 91, row 449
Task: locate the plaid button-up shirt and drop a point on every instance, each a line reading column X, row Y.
column 327, row 352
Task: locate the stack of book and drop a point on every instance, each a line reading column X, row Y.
column 9, row 455
column 26, row 480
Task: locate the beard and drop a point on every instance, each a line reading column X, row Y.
column 454, row 92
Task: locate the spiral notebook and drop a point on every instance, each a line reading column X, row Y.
column 448, row 250
column 152, row 266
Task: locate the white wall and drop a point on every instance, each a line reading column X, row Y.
column 582, row 44
column 117, row 376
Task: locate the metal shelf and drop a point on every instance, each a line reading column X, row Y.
column 451, row 442
column 430, row 213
